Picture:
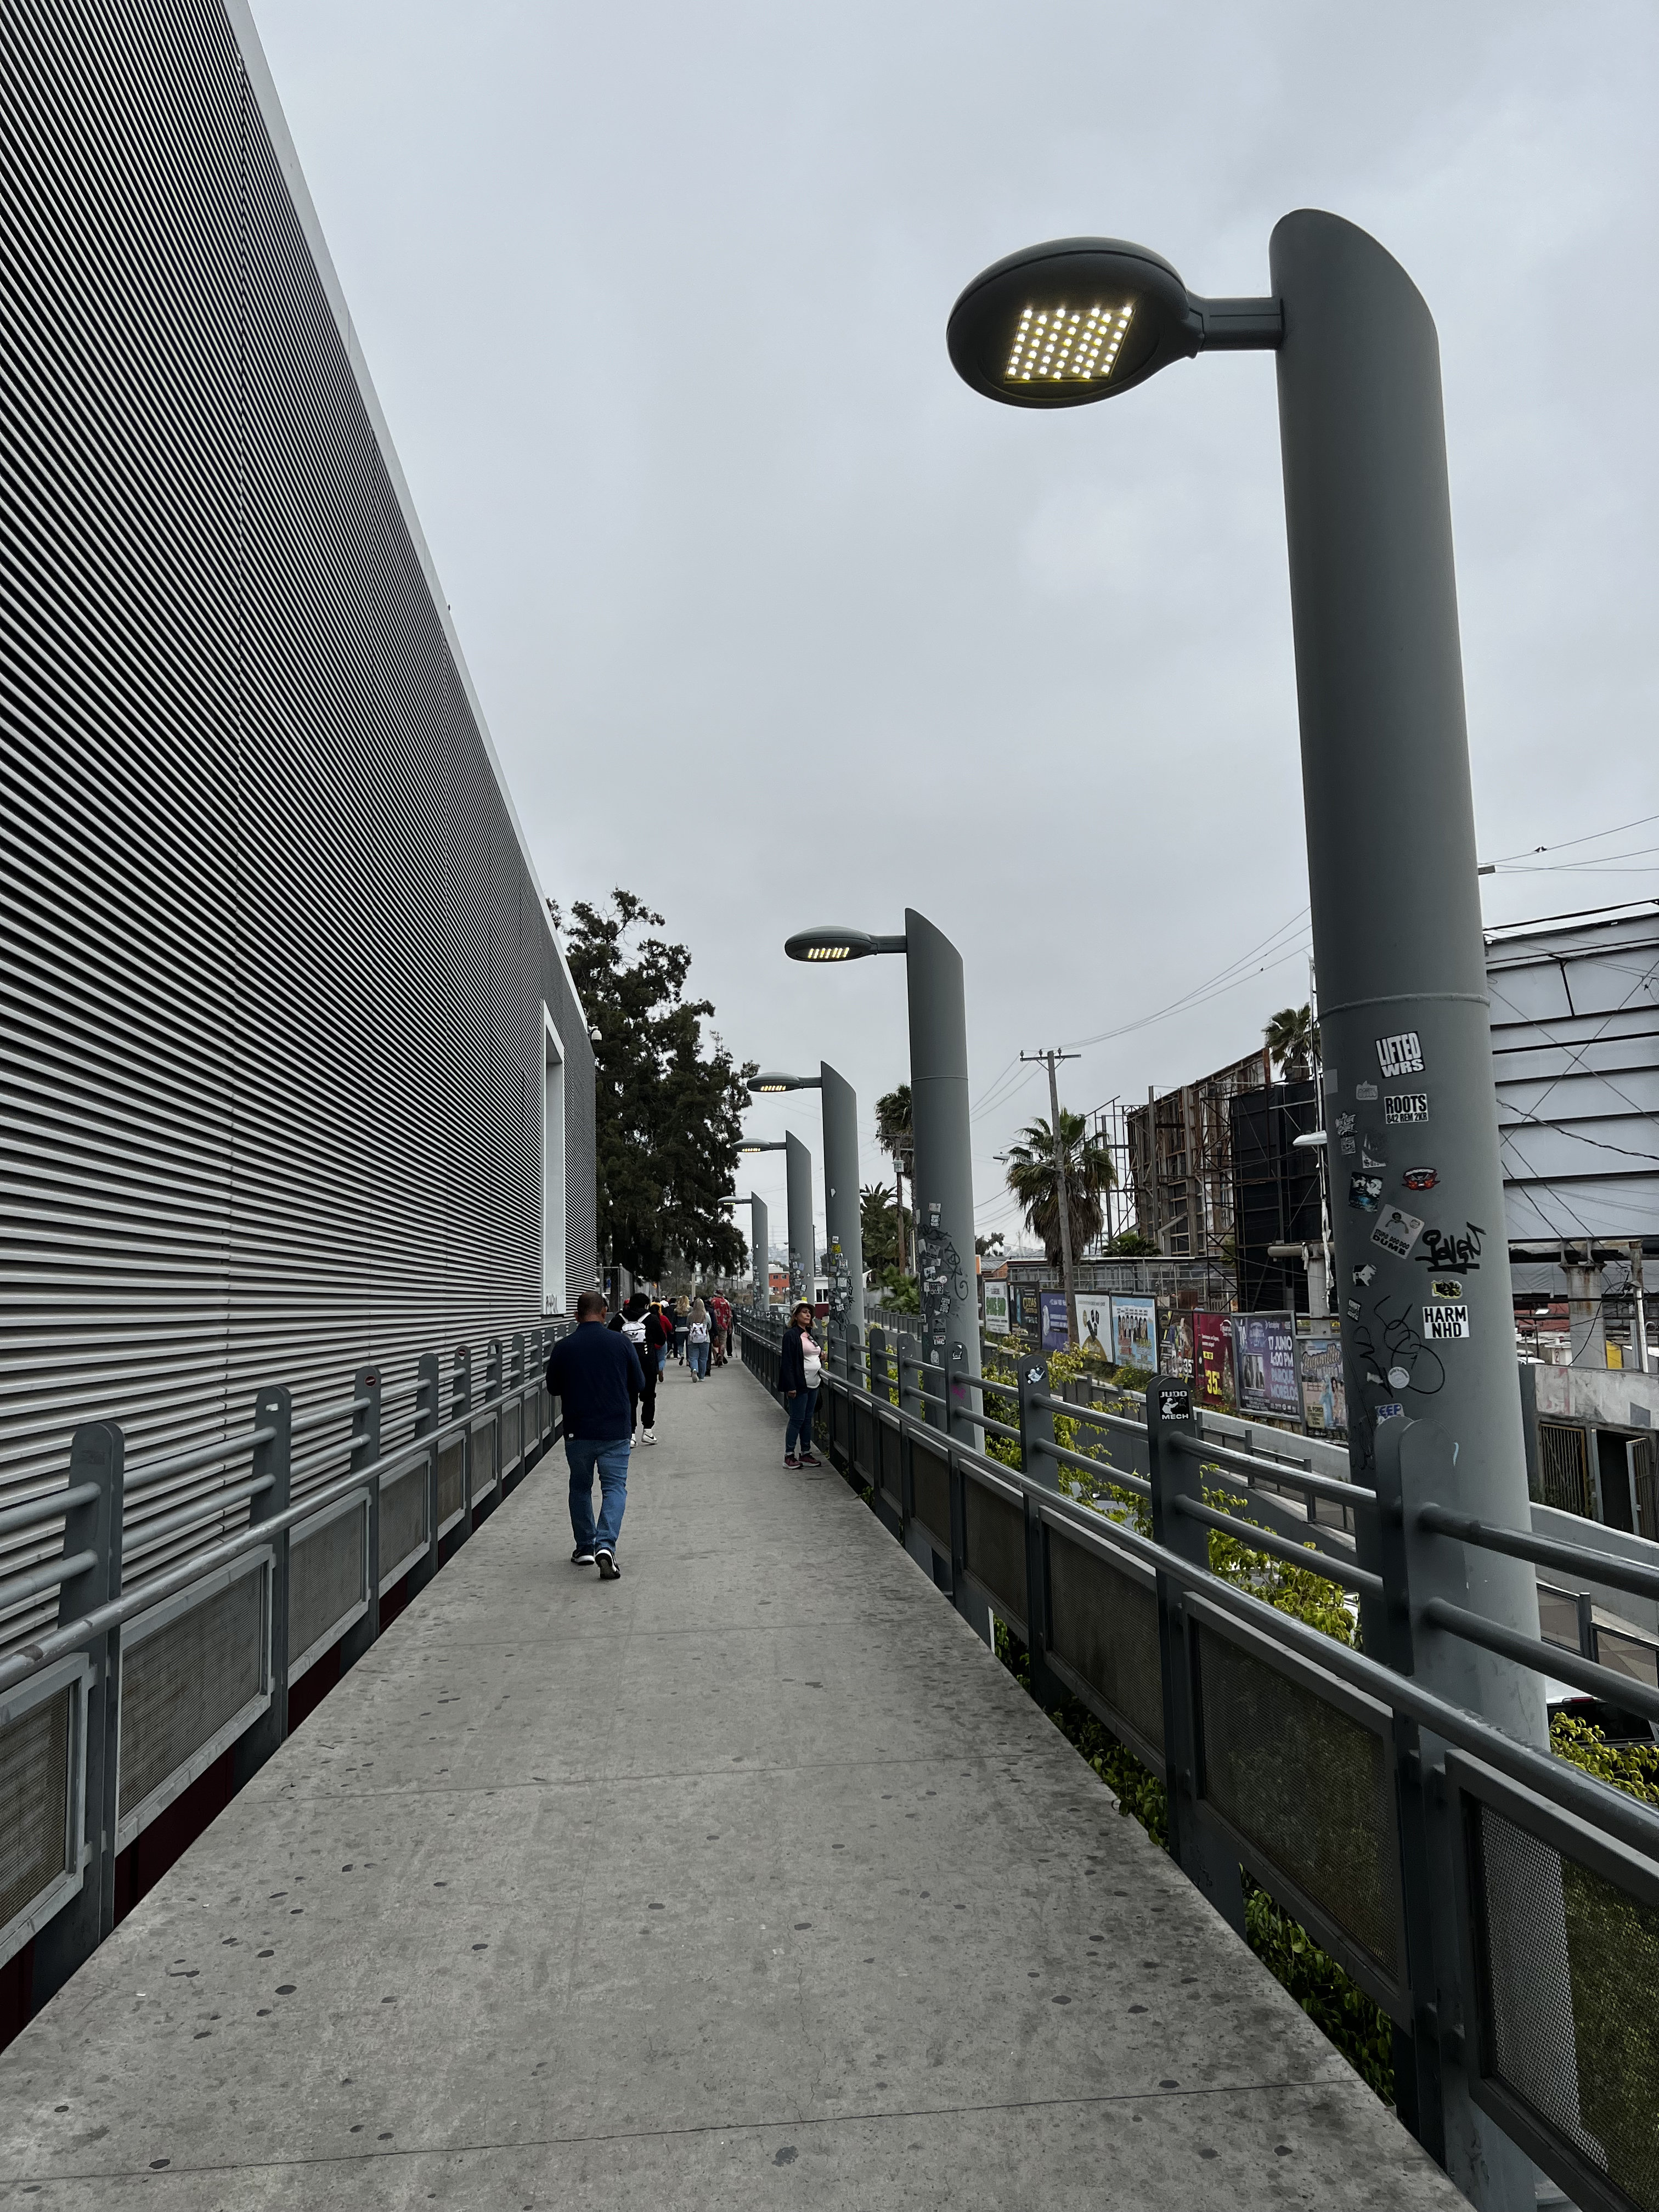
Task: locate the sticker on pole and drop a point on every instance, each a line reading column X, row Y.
column 1402, row 1106
column 1345, row 1125
column 1401, row 1054
column 1365, row 1192
column 1391, row 1412
column 1397, row 1232
column 1175, row 1402
column 1420, row 1178
column 1443, row 1324
column 1364, row 1274
column 1365, row 1093
column 1446, row 1286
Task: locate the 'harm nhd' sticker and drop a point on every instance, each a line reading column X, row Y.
column 1443, row 1324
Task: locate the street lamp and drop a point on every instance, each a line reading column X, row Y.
column 942, row 1174
column 760, row 1240
column 798, row 1184
column 1410, row 1104
column 843, row 1226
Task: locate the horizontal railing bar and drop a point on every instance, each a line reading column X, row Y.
column 318, row 1417
column 17, row 1588
column 1096, row 1415
column 997, row 1428
column 187, row 1462
column 1102, row 1467
column 149, row 1533
column 1294, row 1478
column 31, row 1514
column 1556, row 1659
column 1543, row 1550
column 1281, row 1547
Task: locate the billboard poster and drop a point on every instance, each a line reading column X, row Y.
column 1056, row 1324
column 1094, row 1323
column 1175, row 1345
column 1134, row 1332
column 996, row 1308
column 1212, row 1362
column 1027, row 1313
column 1324, row 1399
column 1264, row 1356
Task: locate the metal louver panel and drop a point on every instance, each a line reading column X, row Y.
column 272, row 958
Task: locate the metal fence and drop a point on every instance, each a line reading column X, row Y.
column 1498, row 1904
column 135, row 1684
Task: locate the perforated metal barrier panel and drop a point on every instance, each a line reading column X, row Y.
column 930, row 1492
column 993, row 1532
column 452, row 1482
column 184, row 1681
column 403, row 1520
column 890, row 1446
column 1568, row 1967
column 1104, row 1626
column 483, row 1458
column 1308, row 1788
column 511, row 1437
column 34, row 1785
column 327, row 1583
column 866, row 1449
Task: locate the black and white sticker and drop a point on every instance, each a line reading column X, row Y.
column 1364, row 1091
column 1345, row 1125
column 1441, row 1324
column 1401, row 1106
column 1401, row 1054
column 1446, row 1286
column 1397, row 1231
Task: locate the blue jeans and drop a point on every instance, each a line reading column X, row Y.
column 608, row 1456
column 799, row 1437
column 698, row 1355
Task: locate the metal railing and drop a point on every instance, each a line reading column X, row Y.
column 1500, row 1905
column 147, row 1675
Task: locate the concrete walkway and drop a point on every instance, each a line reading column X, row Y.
column 750, row 1879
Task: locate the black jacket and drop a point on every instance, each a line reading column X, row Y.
column 792, row 1364
column 595, row 1374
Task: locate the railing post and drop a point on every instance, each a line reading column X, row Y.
column 273, row 1409
column 974, row 1609
column 428, row 1416
column 460, row 1404
column 914, row 1405
column 97, row 1455
column 515, row 1366
column 492, row 1370
column 1203, row 1855
column 365, row 1452
column 1036, row 1428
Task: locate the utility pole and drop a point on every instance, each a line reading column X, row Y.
column 1067, row 1278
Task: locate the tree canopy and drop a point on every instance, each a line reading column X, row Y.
column 668, row 1102
column 1034, row 1183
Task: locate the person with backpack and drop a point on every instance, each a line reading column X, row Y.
column 697, row 1341
column 635, row 1321
column 800, row 1369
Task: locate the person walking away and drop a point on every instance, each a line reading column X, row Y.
column 681, row 1327
column 595, row 1374
column 635, row 1327
column 659, row 1332
column 696, row 1347
column 653, row 1358
column 800, row 1369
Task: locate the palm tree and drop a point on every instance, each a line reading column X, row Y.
column 1034, row 1181
column 897, row 1137
column 1293, row 1040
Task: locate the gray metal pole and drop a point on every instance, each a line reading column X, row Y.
column 942, row 1178
column 760, row 1248
column 798, row 1163
column 841, row 1194
column 1423, row 1277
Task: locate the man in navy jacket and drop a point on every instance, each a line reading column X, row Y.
column 596, row 1376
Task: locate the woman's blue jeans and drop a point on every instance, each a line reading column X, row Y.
column 698, row 1356
column 800, row 1437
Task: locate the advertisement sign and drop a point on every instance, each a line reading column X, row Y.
column 1324, row 1398
column 1027, row 1313
column 1212, row 1362
column 1094, row 1323
column 1057, row 1329
column 996, row 1308
column 1264, row 1358
column 1174, row 1345
column 1134, row 1332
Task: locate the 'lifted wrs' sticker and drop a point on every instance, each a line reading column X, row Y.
column 1405, row 1106
column 1400, row 1055
column 1397, row 1232
column 1441, row 1322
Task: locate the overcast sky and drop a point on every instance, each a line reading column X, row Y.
column 774, row 622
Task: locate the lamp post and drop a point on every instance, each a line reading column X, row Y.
column 843, row 1226
column 942, row 1182
column 1421, row 1260
column 798, row 1185
column 761, row 1223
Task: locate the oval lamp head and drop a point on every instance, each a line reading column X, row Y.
column 773, row 1082
column 830, row 943
column 1071, row 321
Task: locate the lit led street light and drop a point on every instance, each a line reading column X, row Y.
column 942, row 1177
column 1428, row 1327
column 843, row 1226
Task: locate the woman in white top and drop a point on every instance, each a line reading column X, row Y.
column 800, row 1369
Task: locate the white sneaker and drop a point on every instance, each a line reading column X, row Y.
column 649, row 1436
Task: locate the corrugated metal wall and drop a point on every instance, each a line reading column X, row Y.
column 272, row 961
